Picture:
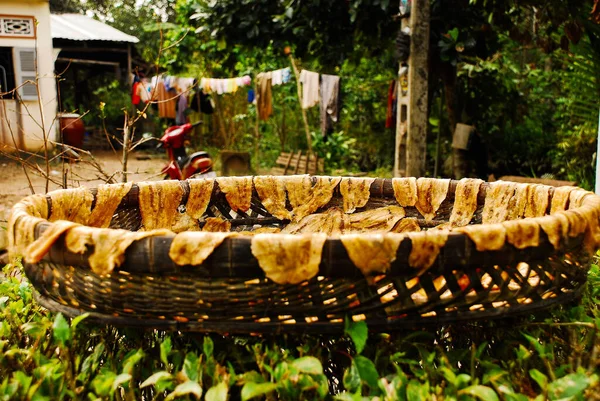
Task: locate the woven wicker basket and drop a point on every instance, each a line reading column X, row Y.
column 445, row 272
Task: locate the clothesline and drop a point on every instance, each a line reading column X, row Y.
column 317, row 88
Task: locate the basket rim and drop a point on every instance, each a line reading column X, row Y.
column 379, row 188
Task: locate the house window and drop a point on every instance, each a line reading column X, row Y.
column 25, row 72
column 7, row 71
column 17, row 26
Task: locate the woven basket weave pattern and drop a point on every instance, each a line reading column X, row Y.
column 229, row 292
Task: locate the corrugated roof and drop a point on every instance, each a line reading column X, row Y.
column 80, row 27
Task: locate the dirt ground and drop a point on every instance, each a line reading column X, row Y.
column 14, row 184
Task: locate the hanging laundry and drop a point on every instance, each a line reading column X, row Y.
column 286, row 75
column 250, row 95
column 166, row 101
column 227, row 85
column 182, row 105
column 310, row 88
column 264, row 104
column 201, row 102
column 390, row 117
column 136, row 90
column 276, row 77
column 330, row 97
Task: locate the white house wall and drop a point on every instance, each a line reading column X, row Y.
column 31, row 135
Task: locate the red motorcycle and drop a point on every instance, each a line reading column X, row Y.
column 181, row 166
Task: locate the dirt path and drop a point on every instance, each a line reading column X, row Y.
column 14, row 184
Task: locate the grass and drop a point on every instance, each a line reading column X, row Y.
column 549, row 356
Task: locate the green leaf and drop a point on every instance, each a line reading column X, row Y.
column 103, row 382
column 78, row 319
column 165, row 349
column 208, row 347
column 35, row 329
column 131, row 360
column 358, row 332
column 416, row 391
column 155, row 378
column 539, row 378
column 308, row 364
column 23, row 380
column 121, row 379
column 348, row 397
column 60, row 329
column 186, row 388
column 251, row 390
column 190, row 366
column 453, row 34
column 484, row 393
column 351, row 378
column 367, row 371
column 217, row 393
column 568, row 386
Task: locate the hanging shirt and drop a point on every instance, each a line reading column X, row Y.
column 310, row 88
column 264, row 104
column 330, row 95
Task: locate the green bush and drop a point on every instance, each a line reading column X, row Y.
column 45, row 356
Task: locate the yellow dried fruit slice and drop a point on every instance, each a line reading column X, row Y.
column 537, row 202
column 591, row 214
column 406, row 225
column 553, row 227
column 488, row 237
column 287, row 258
column 382, row 219
column 71, row 204
column 431, row 193
column 576, row 198
column 405, row 191
column 355, row 192
column 465, row 201
column 40, row 247
column 330, row 222
column 305, row 199
column 200, row 194
column 238, row 192
column 426, row 246
column 497, row 198
column 108, row 199
column 522, row 233
column 109, row 245
column 560, row 198
column 298, row 189
column 192, row 248
column 577, row 223
column 159, row 203
column 216, row 225
column 372, row 253
column 23, row 219
column 271, row 191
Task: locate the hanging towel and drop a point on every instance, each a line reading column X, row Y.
column 330, row 96
column 276, row 77
column 166, row 104
column 250, row 95
column 263, row 95
column 310, row 88
column 390, row 117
